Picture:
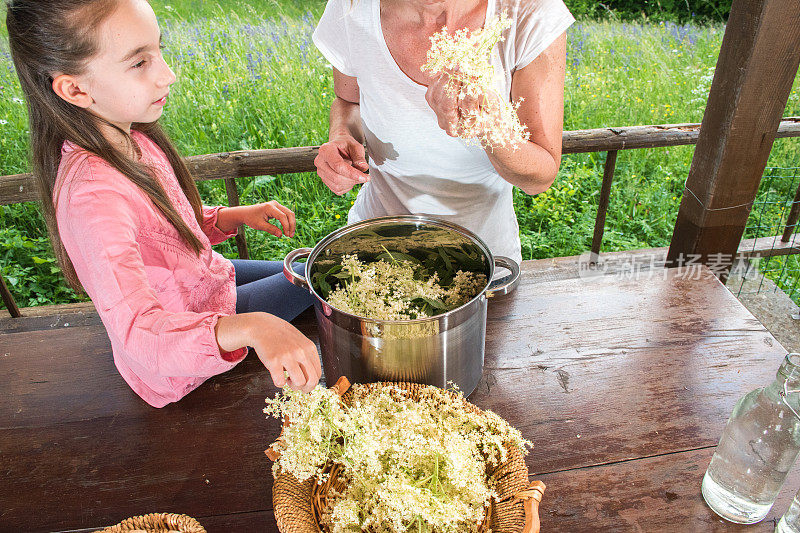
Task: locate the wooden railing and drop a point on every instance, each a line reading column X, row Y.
column 228, row 166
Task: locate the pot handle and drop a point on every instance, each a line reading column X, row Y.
column 507, row 283
column 288, row 271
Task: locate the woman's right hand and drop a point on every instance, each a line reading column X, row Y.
column 341, row 163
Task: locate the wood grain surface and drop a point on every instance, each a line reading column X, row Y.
column 659, row 493
column 623, row 383
column 607, row 369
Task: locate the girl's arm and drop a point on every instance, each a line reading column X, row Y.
column 99, row 227
column 279, row 345
column 341, row 162
column 257, row 216
column 533, row 165
column 209, row 225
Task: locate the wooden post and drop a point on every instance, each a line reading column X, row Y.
column 602, row 206
column 754, row 74
column 8, row 299
column 791, row 220
column 233, row 200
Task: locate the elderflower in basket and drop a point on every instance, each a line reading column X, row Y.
column 465, row 57
column 392, row 457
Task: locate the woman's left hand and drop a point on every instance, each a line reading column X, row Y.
column 258, row 216
column 453, row 108
column 444, row 103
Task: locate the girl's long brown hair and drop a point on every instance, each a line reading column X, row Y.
column 48, row 37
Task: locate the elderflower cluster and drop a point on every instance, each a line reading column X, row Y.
column 317, row 419
column 465, row 57
column 410, row 464
column 384, row 290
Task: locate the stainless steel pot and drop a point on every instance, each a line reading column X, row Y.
column 435, row 350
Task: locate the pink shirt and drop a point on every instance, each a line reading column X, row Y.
column 158, row 299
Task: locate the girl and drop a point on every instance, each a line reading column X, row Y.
column 124, row 213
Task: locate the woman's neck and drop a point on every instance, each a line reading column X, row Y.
column 436, row 13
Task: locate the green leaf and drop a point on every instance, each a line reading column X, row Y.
column 333, row 270
column 443, row 255
column 324, row 288
column 435, row 303
column 395, row 257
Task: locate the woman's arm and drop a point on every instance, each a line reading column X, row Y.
column 532, row 165
column 341, row 162
column 345, row 117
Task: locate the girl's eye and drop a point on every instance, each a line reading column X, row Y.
column 140, row 64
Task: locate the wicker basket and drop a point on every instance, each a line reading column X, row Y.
column 157, row 523
column 298, row 506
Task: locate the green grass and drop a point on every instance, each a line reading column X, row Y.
column 249, row 77
column 200, row 9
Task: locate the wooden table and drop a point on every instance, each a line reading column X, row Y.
column 624, row 385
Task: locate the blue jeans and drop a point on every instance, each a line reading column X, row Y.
column 261, row 286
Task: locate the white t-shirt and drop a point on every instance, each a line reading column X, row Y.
column 415, row 167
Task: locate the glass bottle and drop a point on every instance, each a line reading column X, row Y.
column 790, row 521
column 758, row 447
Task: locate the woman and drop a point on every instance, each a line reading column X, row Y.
column 409, row 121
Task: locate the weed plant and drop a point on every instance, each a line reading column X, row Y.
column 249, row 77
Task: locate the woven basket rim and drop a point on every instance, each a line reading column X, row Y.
column 157, row 522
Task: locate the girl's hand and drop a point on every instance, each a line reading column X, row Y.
column 281, row 347
column 257, row 216
column 341, row 164
column 278, row 344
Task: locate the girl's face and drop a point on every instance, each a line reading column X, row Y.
column 128, row 80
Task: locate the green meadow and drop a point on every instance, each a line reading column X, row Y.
column 249, row 78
